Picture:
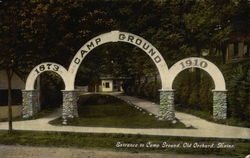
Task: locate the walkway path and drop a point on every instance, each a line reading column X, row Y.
column 203, row 128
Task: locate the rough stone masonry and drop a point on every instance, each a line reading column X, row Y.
column 69, row 108
column 30, row 103
column 219, row 105
column 166, row 111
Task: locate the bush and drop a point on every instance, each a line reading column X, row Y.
column 96, row 99
column 150, row 90
column 237, row 76
column 51, row 86
column 194, row 92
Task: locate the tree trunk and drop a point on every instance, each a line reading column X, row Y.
column 95, row 87
column 198, row 74
column 155, row 88
column 155, row 79
column 9, row 76
column 224, row 52
column 138, row 88
column 38, row 87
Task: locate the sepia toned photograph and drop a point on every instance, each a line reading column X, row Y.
column 124, row 79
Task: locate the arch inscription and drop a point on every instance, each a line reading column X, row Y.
column 47, row 66
column 116, row 36
column 196, row 62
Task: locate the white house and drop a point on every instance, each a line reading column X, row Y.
column 17, row 85
column 111, row 84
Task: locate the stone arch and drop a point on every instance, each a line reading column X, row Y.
column 47, row 66
column 117, row 36
column 166, row 112
column 209, row 67
column 31, row 104
column 219, row 93
column 113, row 36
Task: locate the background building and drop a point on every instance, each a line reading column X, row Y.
column 111, row 84
column 238, row 48
column 17, row 85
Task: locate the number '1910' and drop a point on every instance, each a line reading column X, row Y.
column 193, row 63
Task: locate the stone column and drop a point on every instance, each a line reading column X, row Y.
column 69, row 108
column 30, row 103
column 166, row 111
column 219, row 105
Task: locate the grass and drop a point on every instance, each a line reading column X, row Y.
column 108, row 111
column 207, row 116
column 109, row 141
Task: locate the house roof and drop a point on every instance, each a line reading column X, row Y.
column 17, row 82
column 239, row 37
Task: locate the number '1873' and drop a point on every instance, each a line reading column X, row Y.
column 44, row 67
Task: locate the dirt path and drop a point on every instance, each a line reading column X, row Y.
column 55, row 152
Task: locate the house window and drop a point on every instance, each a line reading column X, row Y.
column 107, row 84
column 16, row 97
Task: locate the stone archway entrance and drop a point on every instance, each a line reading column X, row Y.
column 115, row 36
column 219, row 92
column 30, row 95
column 70, row 95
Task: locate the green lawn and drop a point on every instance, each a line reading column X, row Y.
column 108, row 111
column 109, row 141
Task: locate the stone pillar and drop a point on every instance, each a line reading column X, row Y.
column 166, row 111
column 219, row 105
column 69, row 108
column 30, row 103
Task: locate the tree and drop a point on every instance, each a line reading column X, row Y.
column 34, row 31
column 7, row 56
